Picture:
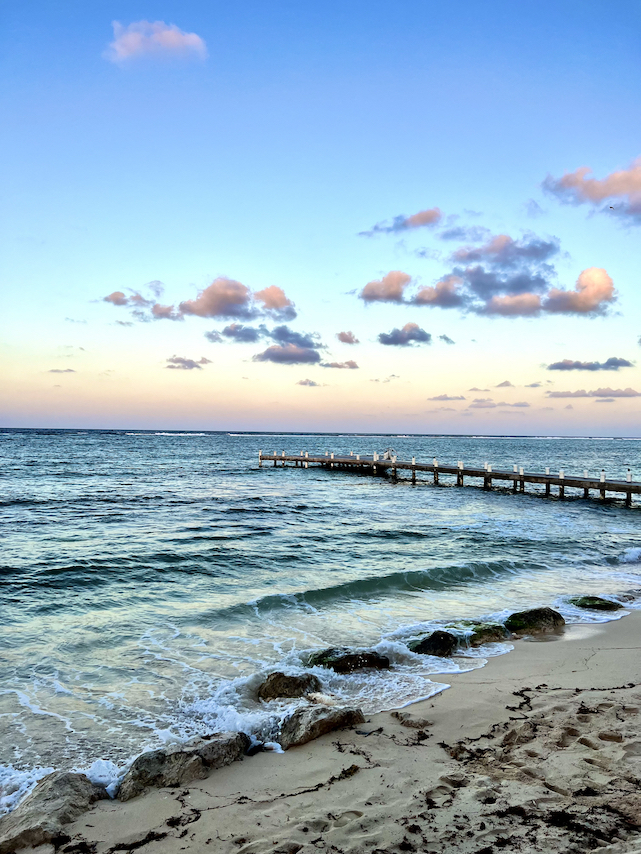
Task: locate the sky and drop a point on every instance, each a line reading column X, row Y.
column 410, row 217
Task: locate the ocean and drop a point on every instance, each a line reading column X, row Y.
column 151, row 579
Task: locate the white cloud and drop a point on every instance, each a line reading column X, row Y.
column 153, row 38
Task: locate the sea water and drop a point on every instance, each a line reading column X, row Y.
column 151, row 579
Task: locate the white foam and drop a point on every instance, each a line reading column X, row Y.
column 15, row 784
column 632, row 555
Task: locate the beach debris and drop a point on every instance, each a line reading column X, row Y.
column 281, row 685
column 409, row 720
column 311, row 722
column 321, row 699
column 59, row 798
column 595, row 603
column 534, row 621
column 177, row 766
column 344, row 660
column 437, row 643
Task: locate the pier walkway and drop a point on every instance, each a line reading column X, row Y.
column 375, row 464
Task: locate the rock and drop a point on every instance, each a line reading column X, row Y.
column 595, row 603
column 486, row 633
column 342, row 660
column 279, row 685
column 311, row 722
column 437, row 643
column 177, row 766
column 534, row 621
column 409, row 720
column 57, row 799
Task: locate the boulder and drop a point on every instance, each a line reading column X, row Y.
column 343, row 660
column 177, row 766
column 486, row 633
column 595, row 603
column 437, row 643
column 57, row 799
column 535, row 621
column 280, row 685
column 311, row 722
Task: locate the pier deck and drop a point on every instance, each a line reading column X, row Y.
column 376, row 465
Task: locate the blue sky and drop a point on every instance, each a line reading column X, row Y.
column 261, row 161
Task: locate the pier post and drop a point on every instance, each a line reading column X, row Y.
column 547, row 488
column 275, row 459
column 522, row 482
column 435, row 472
column 260, row 459
column 561, row 485
column 413, row 470
column 586, row 492
column 459, row 474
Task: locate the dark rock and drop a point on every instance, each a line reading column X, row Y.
column 311, row 722
column 595, row 603
column 486, row 633
column 57, row 799
column 534, row 621
column 279, row 685
column 177, row 766
column 438, row 643
column 342, row 660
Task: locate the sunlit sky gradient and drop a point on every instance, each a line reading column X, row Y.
column 219, row 166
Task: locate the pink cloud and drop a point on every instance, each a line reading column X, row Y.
column 443, row 295
column 594, row 288
column 427, row 217
column 388, row 289
column 347, row 338
column 350, row 364
column 578, row 188
column 223, row 298
column 147, row 38
column 274, row 300
column 116, row 298
column 513, row 305
column 165, row 312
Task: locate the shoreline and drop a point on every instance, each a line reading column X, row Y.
column 538, row 746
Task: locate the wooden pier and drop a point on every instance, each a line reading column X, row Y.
column 375, row 464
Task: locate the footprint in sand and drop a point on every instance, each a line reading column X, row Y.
column 345, row 817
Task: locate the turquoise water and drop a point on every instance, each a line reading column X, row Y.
column 149, row 579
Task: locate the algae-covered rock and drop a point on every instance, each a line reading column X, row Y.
column 487, row 633
column 595, row 603
column 344, row 660
column 313, row 721
column 59, row 798
column 177, row 766
column 280, row 685
column 437, row 643
column 534, row 621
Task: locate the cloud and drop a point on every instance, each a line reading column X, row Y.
column 599, row 392
column 179, row 363
column 447, row 397
column 276, row 303
column 611, row 364
column 605, row 400
column 156, row 39
column 533, row 209
column 123, row 323
column 73, row 320
column 569, row 406
column 214, row 337
column 350, row 365
column 61, row 371
column 288, row 354
column 428, row 217
column 223, row 298
column 505, row 252
column 533, row 385
column 482, row 403
column 622, row 187
column 478, row 389
column 116, row 298
column 444, row 294
column 446, row 339
column 406, row 336
column 243, row 334
column 347, row 338
column 471, row 233
column 309, row 383
column 165, row 312
column 594, row 288
column 504, row 384
column 388, row 289
column 285, row 335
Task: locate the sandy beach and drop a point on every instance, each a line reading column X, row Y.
column 538, row 751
